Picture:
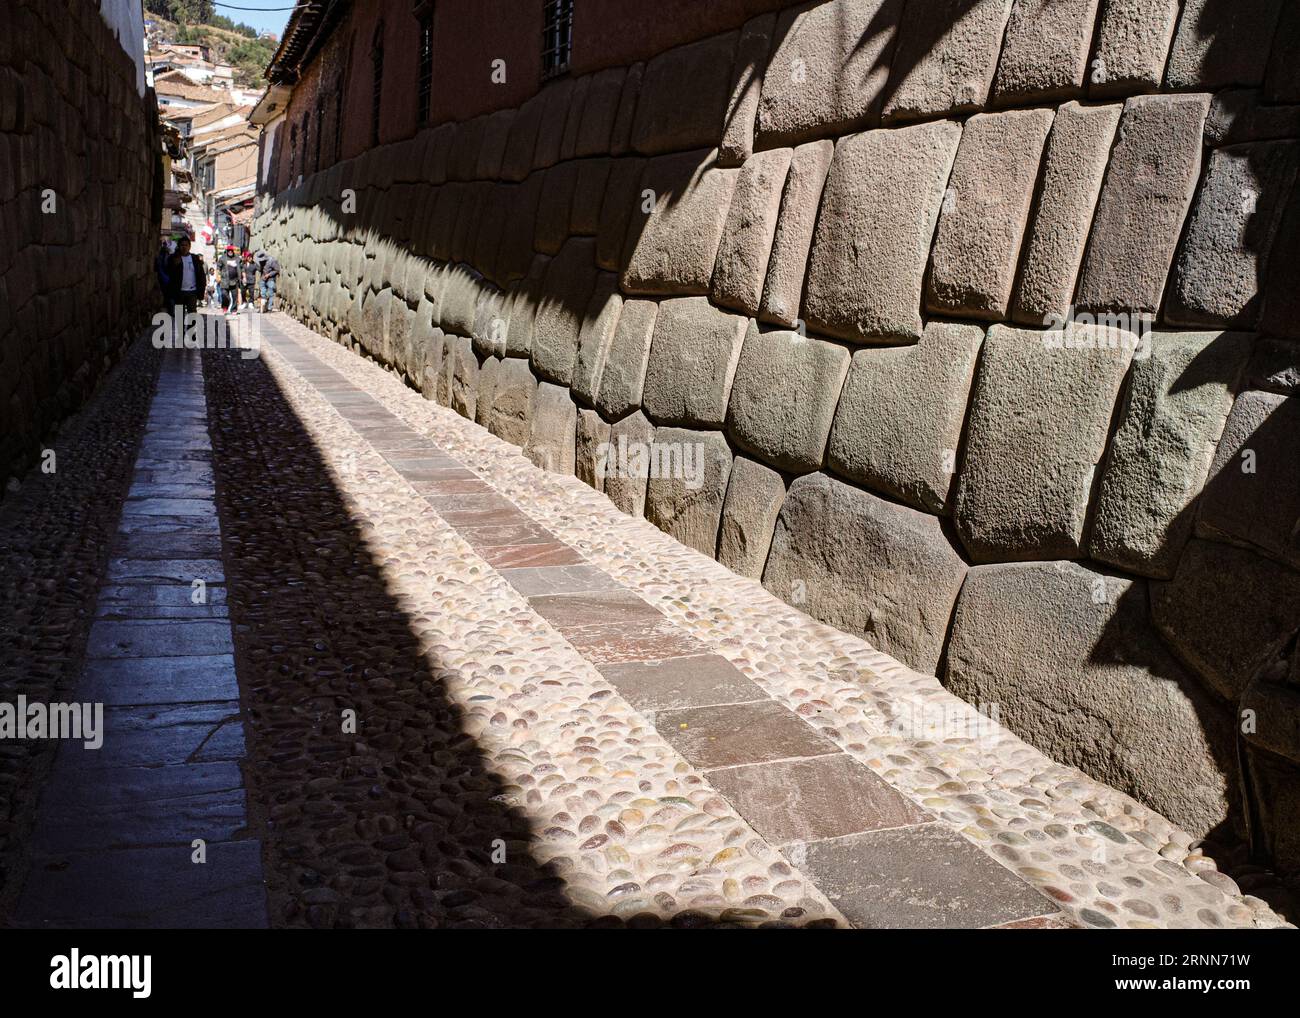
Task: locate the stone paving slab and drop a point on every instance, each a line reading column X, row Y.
column 1010, row 831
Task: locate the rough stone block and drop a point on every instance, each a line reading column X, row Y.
column 869, row 567
column 464, row 375
column 622, row 201
column 786, row 427
column 755, row 494
column 1282, row 81
column 496, row 136
column 631, row 440
column 1039, row 417
column 683, row 96
column 1275, row 366
column 1173, row 413
column 898, row 425
column 1132, row 46
column 460, row 300
column 1070, row 659
column 570, row 278
column 486, row 395
column 741, row 265
column 747, row 80
column 985, row 210
column 1281, row 313
column 517, row 162
column 1045, row 52
column 588, row 196
column 1153, row 172
column 946, row 55
column 674, row 232
column 550, row 129
column 512, row 401
column 599, row 112
column 551, row 441
column 555, row 208
column 1222, row 261
column 620, row 139
column 829, row 70
column 873, row 234
column 1253, row 494
column 788, row 262
column 1074, row 166
column 692, row 362
column 687, row 485
column 623, row 377
column 592, row 448
column 594, row 338
column 1222, row 42
column 577, row 107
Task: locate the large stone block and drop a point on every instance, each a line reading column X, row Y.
column 620, row 139
column 627, row 469
column 550, row 128
column 570, row 279
column 1072, row 663
column 945, row 59
column 786, row 425
column 692, row 362
column 788, row 262
column 594, row 338
column 829, row 70
column 873, row 234
column 1221, row 43
column 675, row 229
column 496, row 136
column 588, row 196
column 752, row 50
column 555, row 208
column 1132, row 46
column 591, row 449
column 1282, row 81
column 621, row 203
column 517, row 162
column 599, row 112
column 741, row 265
column 1153, row 172
column 1039, row 417
column 1281, row 313
column 551, row 441
column 687, row 486
column 1173, row 413
column 623, row 376
column 1227, row 612
column 866, row 566
column 464, row 375
column 572, row 124
column 1253, row 494
column 1045, row 52
column 1222, row 261
column 1074, row 166
column 898, row 425
column 683, row 96
column 512, row 401
column 460, row 300
column 755, row 494
column 1275, row 366
column 522, row 306
column 487, row 389
column 985, row 209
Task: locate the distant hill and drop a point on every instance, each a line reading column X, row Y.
column 237, row 44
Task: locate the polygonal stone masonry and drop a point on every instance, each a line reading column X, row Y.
column 693, row 357
column 687, row 484
column 787, row 263
column 683, row 96
column 1045, row 51
column 741, row 264
column 755, row 493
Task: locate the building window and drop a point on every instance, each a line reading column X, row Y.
column 426, row 67
column 557, row 37
column 377, row 82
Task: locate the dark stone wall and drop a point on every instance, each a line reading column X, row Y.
column 79, row 213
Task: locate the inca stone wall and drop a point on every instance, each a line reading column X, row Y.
column 78, row 215
column 824, row 260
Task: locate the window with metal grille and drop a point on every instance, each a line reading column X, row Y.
column 425, row 94
column 377, row 78
column 557, row 37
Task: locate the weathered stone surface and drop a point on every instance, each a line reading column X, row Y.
column 588, row 196
column 692, row 362
column 687, row 485
column 1074, row 166
column 1222, row 261
column 1258, row 600
column 594, row 339
column 873, row 234
column 1239, row 115
column 496, row 135
column 752, row 50
column 786, row 428
column 555, row 208
column 572, row 123
column 550, row 129
column 623, row 377
column 1282, row 82
column 489, row 333
column 1132, row 46
column 517, row 162
column 1275, row 366
column 1068, row 656
column 1276, row 709
column 486, row 395
column 985, row 209
column 1221, row 43
column 460, row 300
column 828, row 71
column 631, row 440
column 946, row 55
column 788, row 262
column 1173, row 413
column 1153, row 172
column 522, row 308
column 754, row 496
column 620, row 140
column 1045, row 52
column 898, row 425
column 464, row 375
column 591, row 449
column 621, row 203
column 1025, row 484
column 1253, row 494
column 597, row 125
column 866, row 566
column 570, row 278
column 551, row 441
column 683, row 96
column 673, row 234
column 741, row 265
column 512, row 401
column 434, row 369
column 1281, row 314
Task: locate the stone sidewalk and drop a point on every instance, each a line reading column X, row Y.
column 115, row 835
column 891, row 802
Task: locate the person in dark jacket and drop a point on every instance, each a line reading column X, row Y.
column 270, row 275
column 229, row 272
column 248, row 279
column 187, row 280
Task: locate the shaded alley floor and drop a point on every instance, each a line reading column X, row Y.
column 466, row 692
